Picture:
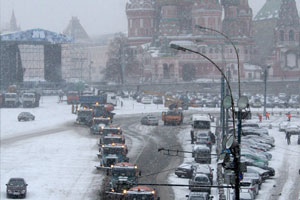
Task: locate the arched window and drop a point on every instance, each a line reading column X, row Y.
column 281, row 35
column 291, row 35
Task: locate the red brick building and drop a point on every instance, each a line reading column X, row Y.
column 154, row 24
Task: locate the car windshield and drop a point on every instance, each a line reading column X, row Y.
column 111, row 131
column 108, row 150
column 110, row 140
column 123, row 172
column 201, row 179
column 16, row 182
column 202, row 124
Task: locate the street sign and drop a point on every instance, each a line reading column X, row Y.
column 243, row 102
column 227, row 102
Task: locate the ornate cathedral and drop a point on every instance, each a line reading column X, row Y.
column 154, row 24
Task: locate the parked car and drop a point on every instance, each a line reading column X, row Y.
column 146, row 100
column 158, row 100
column 251, row 186
column 263, row 173
column 16, row 187
column 150, row 120
column 184, row 170
column 26, row 116
column 203, row 169
column 255, row 177
column 200, row 179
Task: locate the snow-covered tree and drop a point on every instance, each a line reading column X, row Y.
column 122, row 63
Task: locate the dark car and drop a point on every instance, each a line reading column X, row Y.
column 184, row 170
column 158, row 100
column 16, row 187
column 25, row 116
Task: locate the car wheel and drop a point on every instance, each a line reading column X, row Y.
column 19, row 119
column 33, row 118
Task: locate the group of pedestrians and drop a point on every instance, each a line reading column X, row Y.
column 267, row 115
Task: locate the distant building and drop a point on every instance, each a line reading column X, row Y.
column 76, row 30
column 154, row 24
column 12, row 26
column 85, row 59
column 277, row 36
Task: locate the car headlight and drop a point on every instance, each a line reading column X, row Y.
column 23, row 191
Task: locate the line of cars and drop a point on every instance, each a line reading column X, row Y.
column 199, row 171
column 196, row 99
column 255, row 146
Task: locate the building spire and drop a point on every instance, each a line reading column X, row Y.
column 13, row 22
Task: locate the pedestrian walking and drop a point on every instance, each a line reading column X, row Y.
column 267, row 115
column 288, row 138
column 289, row 116
column 259, row 117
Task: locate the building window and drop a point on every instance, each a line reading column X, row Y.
column 203, row 50
column 281, row 35
column 291, row 35
column 141, row 23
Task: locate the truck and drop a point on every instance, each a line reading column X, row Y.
column 123, row 176
column 84, row 116
column 11, row 100
column 111, row 98
column 98, row 124
column 72, row 97
column 28, row 100
column 90, row 100
column 100, row 110
column 141, row 192
column 111, row 154
column 201, row 124
column 172, row 117
column 112, row 138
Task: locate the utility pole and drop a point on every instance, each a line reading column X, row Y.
column 266, row 71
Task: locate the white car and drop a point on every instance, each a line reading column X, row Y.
column 146, row 100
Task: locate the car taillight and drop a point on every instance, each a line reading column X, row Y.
column 252, row 189
column 208, row 143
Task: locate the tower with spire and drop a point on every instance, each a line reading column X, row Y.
column 13, row 23
column 141, row 19
column 237, row 18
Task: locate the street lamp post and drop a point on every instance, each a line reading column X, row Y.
column 266, row 71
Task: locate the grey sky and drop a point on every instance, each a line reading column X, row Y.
column 96, row 16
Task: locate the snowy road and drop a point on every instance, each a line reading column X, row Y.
column 57, row 158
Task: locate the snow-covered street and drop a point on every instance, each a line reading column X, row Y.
column 57, row 159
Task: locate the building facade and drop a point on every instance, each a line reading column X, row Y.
column 154, row 24
column 175, row 21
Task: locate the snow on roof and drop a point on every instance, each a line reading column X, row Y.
column 269, row 11
column 251, row 67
